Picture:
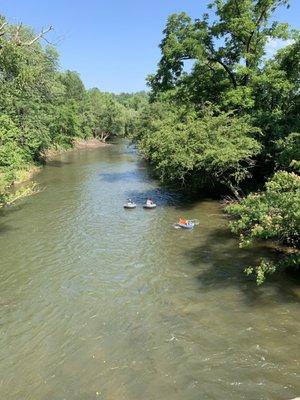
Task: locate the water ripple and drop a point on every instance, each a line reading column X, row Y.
column 96, row 299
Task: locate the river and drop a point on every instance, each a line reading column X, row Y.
column 102, row 303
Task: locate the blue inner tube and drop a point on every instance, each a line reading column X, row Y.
column 189, row 225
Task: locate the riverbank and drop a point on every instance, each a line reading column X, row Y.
column 89, row 144
column 78, row 144
column 13, row 189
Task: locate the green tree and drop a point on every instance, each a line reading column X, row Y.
column 217, row 148
column 234, row 42
column 107, row 114
column 43, row 107
column 251, row 128
column 272, row 214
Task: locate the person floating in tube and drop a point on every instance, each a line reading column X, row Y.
column 183, row 221
column 149, row 202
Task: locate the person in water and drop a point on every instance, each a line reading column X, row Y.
column 149, row 202
column 183, row 221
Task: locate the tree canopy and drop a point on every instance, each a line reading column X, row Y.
column 224, row 115
column 43, row 107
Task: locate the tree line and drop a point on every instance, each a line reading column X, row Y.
column 223, row 116
column 43, row 107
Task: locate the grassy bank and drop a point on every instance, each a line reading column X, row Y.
column 15, row 183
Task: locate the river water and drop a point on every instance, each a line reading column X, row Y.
column 102, row 303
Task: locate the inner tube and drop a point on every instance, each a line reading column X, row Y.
column 149, row 206
column 129, row 205
column 189, row 225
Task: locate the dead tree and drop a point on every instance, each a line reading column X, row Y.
column 14, row 37
column 101, row 135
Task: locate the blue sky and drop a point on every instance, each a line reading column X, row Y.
column 113, row 44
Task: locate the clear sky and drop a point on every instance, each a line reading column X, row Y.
column 113, row 44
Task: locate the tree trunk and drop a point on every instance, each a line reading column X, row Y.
column 234, row 190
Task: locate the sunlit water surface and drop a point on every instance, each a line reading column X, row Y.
column 102, row 303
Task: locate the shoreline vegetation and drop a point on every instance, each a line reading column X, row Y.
column 44, row 109
column 230, row 123
column 23, row 185
column 78, row 144
column 224, row 115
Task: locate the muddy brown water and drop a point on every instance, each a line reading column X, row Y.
column 101, row 303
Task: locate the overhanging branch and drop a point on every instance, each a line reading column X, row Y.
column 39, row 36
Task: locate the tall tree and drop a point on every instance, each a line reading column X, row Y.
column 233, row 42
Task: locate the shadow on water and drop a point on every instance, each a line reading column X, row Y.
column 13, row 208
column 189, row 201
column 167, row 196
column 164, row 194
column 57, row 163
column 5, row 212
column 224, row 267
column 111, row 177
column 4, row 228
column 130, row 149
column 160, row 195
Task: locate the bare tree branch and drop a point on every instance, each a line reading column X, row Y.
column 2, row 30
column 101, row 135
column 3, row 25
column 39, row 36
column 16, row 38
column 212, row 56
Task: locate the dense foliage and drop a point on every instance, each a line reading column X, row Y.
column 220, row 114
column 42, row 107
column 218, row 147
column 224, row 115
column 272, row 214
